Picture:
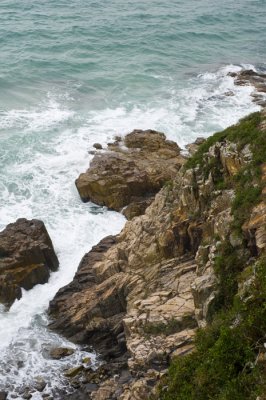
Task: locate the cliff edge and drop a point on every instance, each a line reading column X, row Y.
column 140, row 298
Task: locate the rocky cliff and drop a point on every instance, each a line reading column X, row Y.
column 140, row 297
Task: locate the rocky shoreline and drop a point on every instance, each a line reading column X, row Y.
column 138, row 298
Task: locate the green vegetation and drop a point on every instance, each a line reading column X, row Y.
column 243, row 133
column 247, row 181
column 226, row 364
column 246, row 198
column 227, row 266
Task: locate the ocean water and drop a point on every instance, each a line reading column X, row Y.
column 75, row 73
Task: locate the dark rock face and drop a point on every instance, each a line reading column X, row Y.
column 101, row 323
column 26, row 258
column 61, row 352
column 132, row 171
column 255, row 79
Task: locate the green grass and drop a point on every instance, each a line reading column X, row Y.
column 243, row 133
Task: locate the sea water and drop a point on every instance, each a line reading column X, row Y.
column 77, row 72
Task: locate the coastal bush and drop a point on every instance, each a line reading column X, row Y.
column 227, row 265
column 246, row 131
column 226, row 363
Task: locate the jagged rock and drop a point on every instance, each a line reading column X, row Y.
column 137, row 207
column 141, row 280
column 131, row 171
column 100, row 323
column 39, row 384
column 134, row 292
column 26, row 258
column 255, row 79
column 27, row 395
column 142, row 294
column 193, row 147
column 61, row 352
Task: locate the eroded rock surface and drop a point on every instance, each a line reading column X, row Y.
column 26, row 258
column 132, row 171
column 139, row 296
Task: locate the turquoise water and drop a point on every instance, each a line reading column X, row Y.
column 105, row 53
column 75, row 73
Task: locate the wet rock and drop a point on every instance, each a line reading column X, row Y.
column 97, row 146
column 20, row 364
column 3, row 395
column 138, row 167
column 9, row 290
column 72, row 372
column 255, row 79
column 27, row 395
column 61, row 352
column 229, row 93
column 26, row 258
column 39, row 384
column 86, row 360
column 101, row 328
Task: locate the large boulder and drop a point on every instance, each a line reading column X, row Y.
column 26, row 258
column 130, row 172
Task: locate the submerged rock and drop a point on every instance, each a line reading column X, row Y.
column 26, row 258
column 72, row 372
column 132, row 171
column 61, row 352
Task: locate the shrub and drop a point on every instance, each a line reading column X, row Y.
column 223, row 366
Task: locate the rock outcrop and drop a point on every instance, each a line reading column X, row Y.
column 255, row 79
column 131, row 172
column 141, row 295
column 26, row 258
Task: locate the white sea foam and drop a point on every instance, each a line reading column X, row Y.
column 44, row 117
column 38, row 167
